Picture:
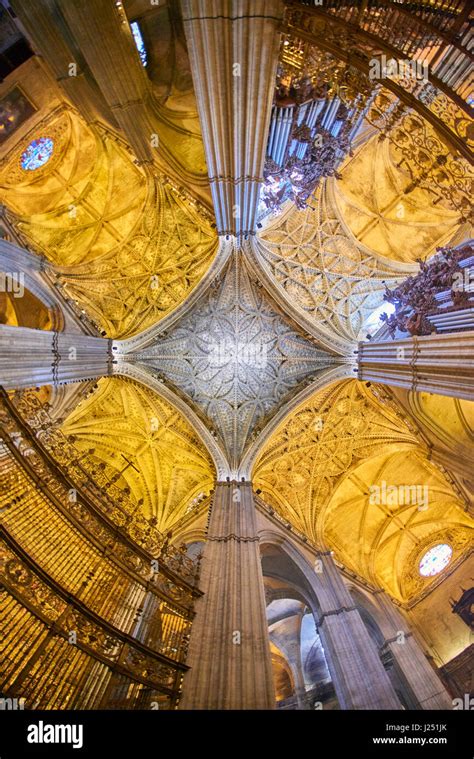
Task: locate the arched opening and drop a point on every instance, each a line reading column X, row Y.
column 19, row 307
column 293, row 632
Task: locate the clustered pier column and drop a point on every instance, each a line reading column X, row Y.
column 441, row 363
column 357, row 672
column 233, row 48
column 34, row 357
column 229, row 651
column 413, row 667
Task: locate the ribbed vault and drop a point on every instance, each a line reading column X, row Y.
column 235, row 356
column 323, row 270
column 387, row 212
column 125, row 243
column 384, row 538
column 319, row 442
column 319, row 466
column 135, row 250
column 149, row 445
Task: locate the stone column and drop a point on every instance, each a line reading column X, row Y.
column 103, row 34
column 48, row 38
column 292, row 650
column 34, row 357
column 442, row 364
column 358, row 675
column 233, row 48
column 413, row 667
column 229, row 650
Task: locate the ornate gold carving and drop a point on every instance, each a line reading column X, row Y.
column 352, row 44
column 98, row 640
column 428, row 162
column 95, row 504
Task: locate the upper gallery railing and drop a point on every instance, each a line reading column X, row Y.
column 439, row 29
column 428, row 124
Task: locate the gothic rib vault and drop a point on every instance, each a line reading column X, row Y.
column 317, row 471
column 334, row 280
column 122, row 241
column 133, row 431
column 207, row 312
column 233, row 358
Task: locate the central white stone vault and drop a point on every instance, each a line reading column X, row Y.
column 235, row 357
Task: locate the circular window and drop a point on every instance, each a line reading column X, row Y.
column 37, row 154
column 435, row 560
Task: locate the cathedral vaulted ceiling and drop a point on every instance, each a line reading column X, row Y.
column 317, row 471
column 384, row 539
column 125, row 243
column 27, row 311
column 323, row 269
column 151, row 445
column 135, row 249
column 319, row 442
column 172, row 103
column 386, row 210
column 235, row 356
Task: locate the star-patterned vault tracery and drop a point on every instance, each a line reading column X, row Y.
column 332, row 468
column 159, row 455
column 235, row 356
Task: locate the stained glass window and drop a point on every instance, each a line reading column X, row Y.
column 435, row 560
column 137, row 36
column 37, row 154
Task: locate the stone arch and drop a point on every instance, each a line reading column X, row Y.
column 15, row 260
column 305, row 578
